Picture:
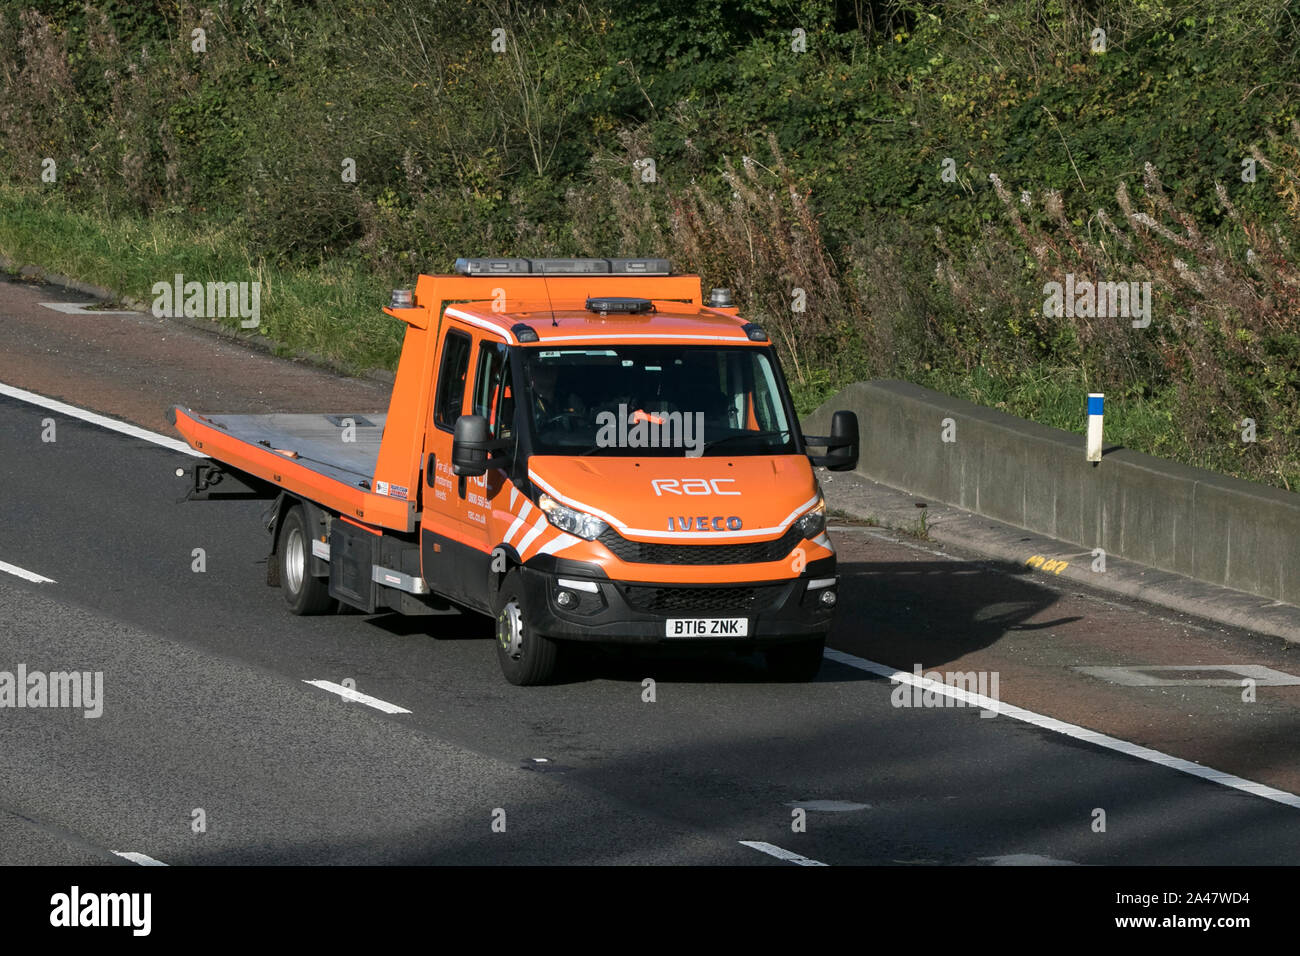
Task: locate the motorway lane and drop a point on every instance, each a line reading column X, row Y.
column 215, row 711
column 282, row 774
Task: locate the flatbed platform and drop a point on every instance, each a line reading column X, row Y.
column 314, row 441
column 307, row 454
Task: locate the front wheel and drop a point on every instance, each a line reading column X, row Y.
column 796, row 663
column 303, row 593
column 526, row 658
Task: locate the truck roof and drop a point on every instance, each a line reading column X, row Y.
column 672, row 322
column 526, row 309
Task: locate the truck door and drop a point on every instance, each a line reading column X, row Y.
column 454, row 547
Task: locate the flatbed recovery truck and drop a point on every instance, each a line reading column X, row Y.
column 583, row 449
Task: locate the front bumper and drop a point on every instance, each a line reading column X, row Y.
column 618, row 612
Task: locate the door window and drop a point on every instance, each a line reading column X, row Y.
column 451, row 380
column 493, row 398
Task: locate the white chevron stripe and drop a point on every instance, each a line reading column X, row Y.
column 531, row 536
column 558, row 543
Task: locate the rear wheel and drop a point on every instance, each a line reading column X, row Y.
column 796, row 663
column 303, row 593
column 526, row 658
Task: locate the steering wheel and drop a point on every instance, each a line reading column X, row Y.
column 566, row 420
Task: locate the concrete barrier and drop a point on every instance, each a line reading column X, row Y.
column 1169, row 516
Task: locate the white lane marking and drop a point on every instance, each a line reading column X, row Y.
column 25, row 574
column 1070, row 730
column 829, row 806
column 347, row 693
column 139, row 859
column 72, row 411
column 779, row 853
column 83, row 308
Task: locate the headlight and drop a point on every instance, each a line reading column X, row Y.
column 813, row 521
column 580, row 523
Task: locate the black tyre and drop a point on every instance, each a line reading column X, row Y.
column 303, row 593
column 795, row 663
column 526, row 659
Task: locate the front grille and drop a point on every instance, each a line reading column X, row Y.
column 663, row 600
column 651, row 552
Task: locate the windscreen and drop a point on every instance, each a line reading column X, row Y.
column 661, row 400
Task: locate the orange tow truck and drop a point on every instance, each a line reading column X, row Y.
column 583, row 449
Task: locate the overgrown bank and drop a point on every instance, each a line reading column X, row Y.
column 779, row 161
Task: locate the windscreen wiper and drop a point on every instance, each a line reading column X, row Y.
column 727, row 438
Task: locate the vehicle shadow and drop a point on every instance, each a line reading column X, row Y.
column 933, row 612
column 899, row 612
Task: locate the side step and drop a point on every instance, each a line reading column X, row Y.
column 373, row 572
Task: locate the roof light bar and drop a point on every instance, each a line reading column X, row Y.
column 481, row 267
column 560, row 267
column 563, row 267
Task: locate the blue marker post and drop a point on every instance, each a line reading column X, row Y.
column 1095, row 403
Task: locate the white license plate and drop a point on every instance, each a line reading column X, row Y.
column 708, row 627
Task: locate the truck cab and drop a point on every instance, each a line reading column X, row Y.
column 584, row 450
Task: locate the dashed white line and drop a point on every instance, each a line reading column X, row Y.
column 139, row 859
column 25, row 574
column 347, row 693
column 1069, row 730
column 780, row 854
column 135, row 431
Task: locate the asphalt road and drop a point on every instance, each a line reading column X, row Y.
column 205, row 707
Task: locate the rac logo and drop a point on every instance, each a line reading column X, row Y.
column 705, row 522
column 691, row 486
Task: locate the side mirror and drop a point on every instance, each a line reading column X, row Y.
column 841, row 445
column 471, row 441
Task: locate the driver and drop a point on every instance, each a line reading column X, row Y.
column 547, row 403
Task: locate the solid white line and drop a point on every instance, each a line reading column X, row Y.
column 1070, row 730
column 72, row 411
column 779, row 853
column 25, row 574
column 139, row 859
column 347, row 693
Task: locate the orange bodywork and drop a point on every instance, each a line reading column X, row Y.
column 769, row 493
